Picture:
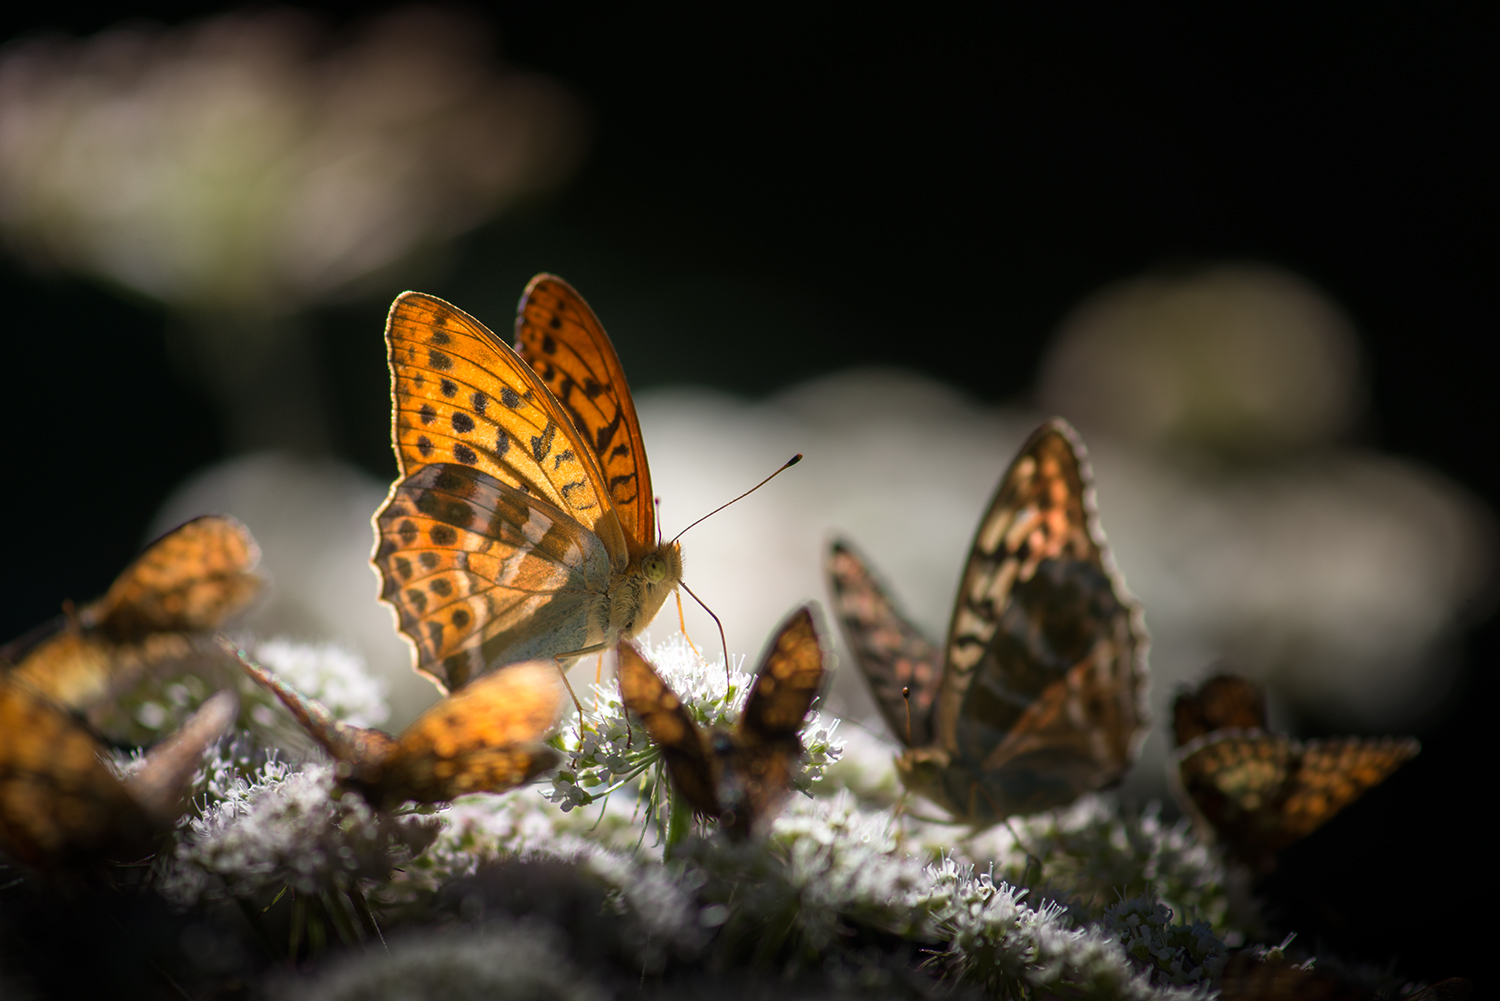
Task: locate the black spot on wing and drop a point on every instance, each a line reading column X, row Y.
column 502, row 443
column 462, row 422
column 427, row 414
column 463, row 453
column 435, row 633
column 449, row 388
column 460, row 618
column 439, row 337
column 429, row 560
column 438, row 361
column 541, row 445
column 509, row 397
column 418, row 600
column 403, row 567
column 560, row 458
column 479, row 401
column 442, row 535
column 424, row 446
column 441, row 588
column 408, row 532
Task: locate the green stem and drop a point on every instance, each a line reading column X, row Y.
column 679, row 821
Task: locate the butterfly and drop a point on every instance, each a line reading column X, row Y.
column 739, row 777
column 61, row 806
column 1259, row 792
column 1247, row 978
column 188, row 581
column 486, row 738
column 522, row 524
column 1041, row 692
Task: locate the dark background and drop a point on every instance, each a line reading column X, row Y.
column 780, row 192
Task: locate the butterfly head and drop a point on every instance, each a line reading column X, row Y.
column 648, row 580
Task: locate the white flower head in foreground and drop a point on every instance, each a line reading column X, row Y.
column 334, row 675
column 610, row 748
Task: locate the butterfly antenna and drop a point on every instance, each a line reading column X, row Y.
column 906, row 697
column 784, row 467
column 711, row 615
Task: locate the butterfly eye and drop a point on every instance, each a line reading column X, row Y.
column 654, row 567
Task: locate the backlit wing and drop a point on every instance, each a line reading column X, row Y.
column 1331, row 774
column 461, row 395
column 891, row 652
column 482, row 574
column 789, row 677
column 565, row 344
column 671, row 728
column 1223, row 702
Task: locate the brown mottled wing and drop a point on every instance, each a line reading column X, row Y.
column 358, row 753
column 890, row 651
column 486, row 738
column 1223, row 702
column 1247, row 978
column 1331, row 774
column 1043, row 691
column 565, row 344
column 1234, row 781
column 481, row 574
column 461, row 395
column 161, row 782
column 59, row 804
column 670, row 727
column 189, row 580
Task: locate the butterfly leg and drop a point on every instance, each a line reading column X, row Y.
column 682, row 621
column 562, row 669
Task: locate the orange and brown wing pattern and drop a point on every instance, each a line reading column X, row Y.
column 565, row 344
column 671, row 727
column 1223, row 702
column 1331, row 774
column 481, row 574
column 189, row 580
column 900, row 663
column 486, row 738
column 1043, row 690
column 461, row 395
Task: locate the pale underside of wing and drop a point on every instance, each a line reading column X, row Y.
column 481, row 574
column 485, row 738
column 461, row 395
column 1040, row 512
column 189, row 580
column 892, row 653
column 562, row 340
column 671, row 728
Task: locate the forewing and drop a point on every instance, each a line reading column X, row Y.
column 481, row 574
column 891, row 652
column 1331, row 774
column 562, row 340
column 59, row 804
column 461, row 395
column 486, row 738
column 189, row 580
column 1223, row 702
column 1234, row 781
column 671, row 728
column 160, row 783
column 789, row 677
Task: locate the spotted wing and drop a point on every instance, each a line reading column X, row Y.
column 482, row 574
column 461, row 395
column 1331, row 774
column 1045, row 671
column 1234, row 780
column 1223, row 702
column 671, row 728
column 892, row 653
column 189, row 580
column 485, row 738
column 565, row 344
column 59, row 804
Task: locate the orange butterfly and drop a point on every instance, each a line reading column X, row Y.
column 61, row 806
column 522, row 525
column 1041, row 693
column 486, row 738
column 188, row 581
column 1259, row 792
column 739, row 777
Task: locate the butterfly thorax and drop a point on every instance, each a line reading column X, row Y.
column 637, row 593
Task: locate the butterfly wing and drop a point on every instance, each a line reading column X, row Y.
column 59, row 804
column 481, row 574
column 1043, row 690
column 486, row 738
column 1234, row 782
column 671, row 728
column 891, row 652
column 189, row 580
column 562, row 340
column 461, row 395
column 1331, row 774
column 1223, row 702
column 159, row 785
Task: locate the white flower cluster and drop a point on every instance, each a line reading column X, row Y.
column 1186, row 954
column 334, row 675
column 609, row 748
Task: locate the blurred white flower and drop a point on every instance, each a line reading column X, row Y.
column 333, row 675
column 245, row 164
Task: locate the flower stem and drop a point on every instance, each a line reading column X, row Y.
column 679, row 821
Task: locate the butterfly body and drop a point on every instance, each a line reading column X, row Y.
column 738, row 776
column 486, row 738
column 522, row 524
column 1259, row 792
column 1038, row 694
column 188, row 581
